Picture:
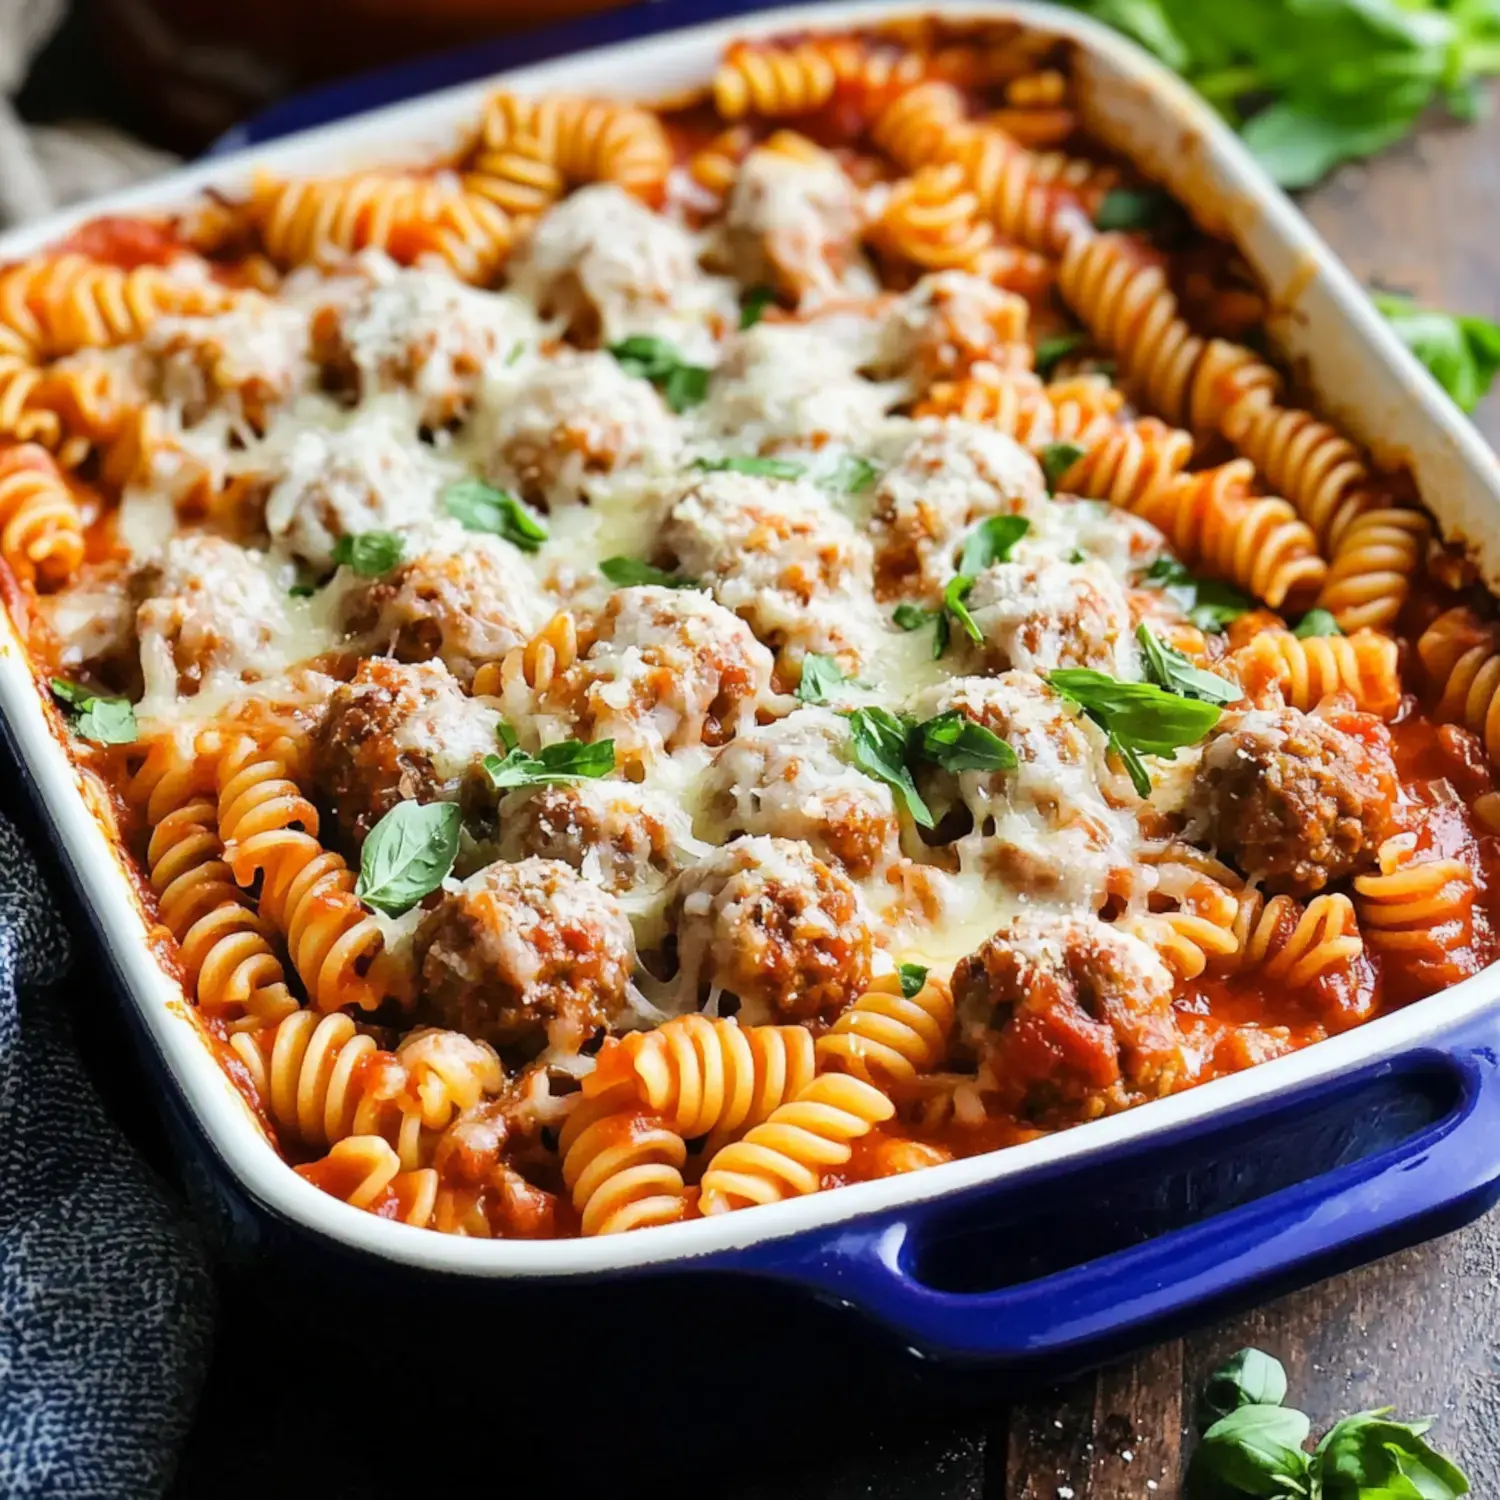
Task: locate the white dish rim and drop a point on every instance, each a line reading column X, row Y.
column 219, row 1112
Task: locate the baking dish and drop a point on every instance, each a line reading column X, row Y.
column 921, row 1254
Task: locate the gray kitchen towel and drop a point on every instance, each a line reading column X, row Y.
column 105, row 1296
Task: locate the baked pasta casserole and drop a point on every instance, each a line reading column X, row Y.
column 675, row 658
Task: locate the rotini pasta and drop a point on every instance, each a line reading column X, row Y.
column 623, row 1168
column 41, row 520
column 1365, row 665
column 888, row 1037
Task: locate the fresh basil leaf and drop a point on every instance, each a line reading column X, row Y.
column 407, row 855
column 953, row 604
column 1316, row 622
column 1368, row 1454
column 1057, row 459
column 1462, row 353
column 681, row 384
column 478, row 506
column 1135, row 767
column 852, row 475
column 877, row 741
column 912, row 616
column 1249, row 1378
column 1050, row 351
column 1208, row 604
column 104, row 721
column 506, row 735
column 301, row 591
column 1130, row 208
column 1145, row 22
column 820, row 677
column 753, row 305
column 1168, row 668
column 568, row 760
column 957, row 743
column 1255, row 1450
column 990, row 542
column 940, row 635
column 631, row 572
column 372, row 554
column 913, row 977
column 767, row 468
column 1299, row 145
column 1077, row 555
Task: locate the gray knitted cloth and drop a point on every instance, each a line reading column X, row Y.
column 105, row 1296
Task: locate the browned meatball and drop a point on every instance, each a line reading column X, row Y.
column 771, row 923
column 401, row 733
column 526, row 956
column 1070, row 1017
column 467, row 607
column 1297, row 799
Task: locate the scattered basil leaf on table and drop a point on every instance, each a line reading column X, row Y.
column 478, row 506
column 913, row 977
column 1255, row 1450
column 371, row 554
column 1316, row 622
column 103, row 720
column 753, row 305
column 1139, row 717
column 1050, row 351
column 632, row 572
column 877, row 741
column 957, row 743
column 766, row 468
column 1462, row 353
column 1368, row 1454
column 407, row 855
column 820, row 677
column 1057, row 459
column 681, row 384
column 568, row 760
column 1250, row 1378
column 1168, row 668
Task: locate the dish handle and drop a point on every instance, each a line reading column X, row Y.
column 901, row 1269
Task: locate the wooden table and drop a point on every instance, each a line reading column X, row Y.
column 1420, row 1330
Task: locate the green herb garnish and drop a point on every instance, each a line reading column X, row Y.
column 852, row 475
column 105, row 721
column 407, row 855
column 766, row 468
column 820, row 677
column 478, row 506
column 1314, row 623
column 957, row 743
column 1050, row 351
column 913, row 977
column 878, row 742
column 1462, row 353
column 914, row 617
column 1057, row 459
column 372, row 554
column 681, row 384
column 1168, row 668
column 631, row 572
column 1208, row 604
column 1130, row 208
column 753, row 305
column 568, row 760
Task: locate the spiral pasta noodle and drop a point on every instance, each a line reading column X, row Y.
column 24, row 415
column 233, row 970
column 365, row 1172
column 886, row 1037
column 1365, row 665
column 270, row 830
column 1293, row 944
column 1372, row 568
column 537, row 664
column 1419, row 907
column 931, row 220
column 1200, row 931
column 1460, row 656
column 703, row 1076
column 914, row 127
column 715, row 166
column 623, row 1168
column 41, row 522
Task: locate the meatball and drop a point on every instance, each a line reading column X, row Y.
column 778, row 555
column 1070, row 1018
column 93, row 620
column 339, row 482
column 768, row 921
column 953, row 474
column 209, row 608
column 794, row 223
column 665, row 668
column 247, row 362
column 609, row 267
column 1294, row 799
column 950, row 321
column 401, row 734
column 1039, row 615
column 526, row 956
column 1060, row 825
column 570, row 419
column 419, row 331
column 465, row 605
column 784, row 385
column 793, row 779
column 622, row 837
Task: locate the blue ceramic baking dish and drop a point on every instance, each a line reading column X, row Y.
column 1048, row 1255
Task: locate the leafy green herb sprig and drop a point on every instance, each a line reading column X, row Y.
column 1251, row 1445
column 105, row 721
column 1462, row 353
column 407, row 855
column 567, row 760
column 478, row 506
column 1208, row 604
column 682, row 385
column 633, row 572
column 371, row 554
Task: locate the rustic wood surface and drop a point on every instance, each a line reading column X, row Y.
column 1419, row 1330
